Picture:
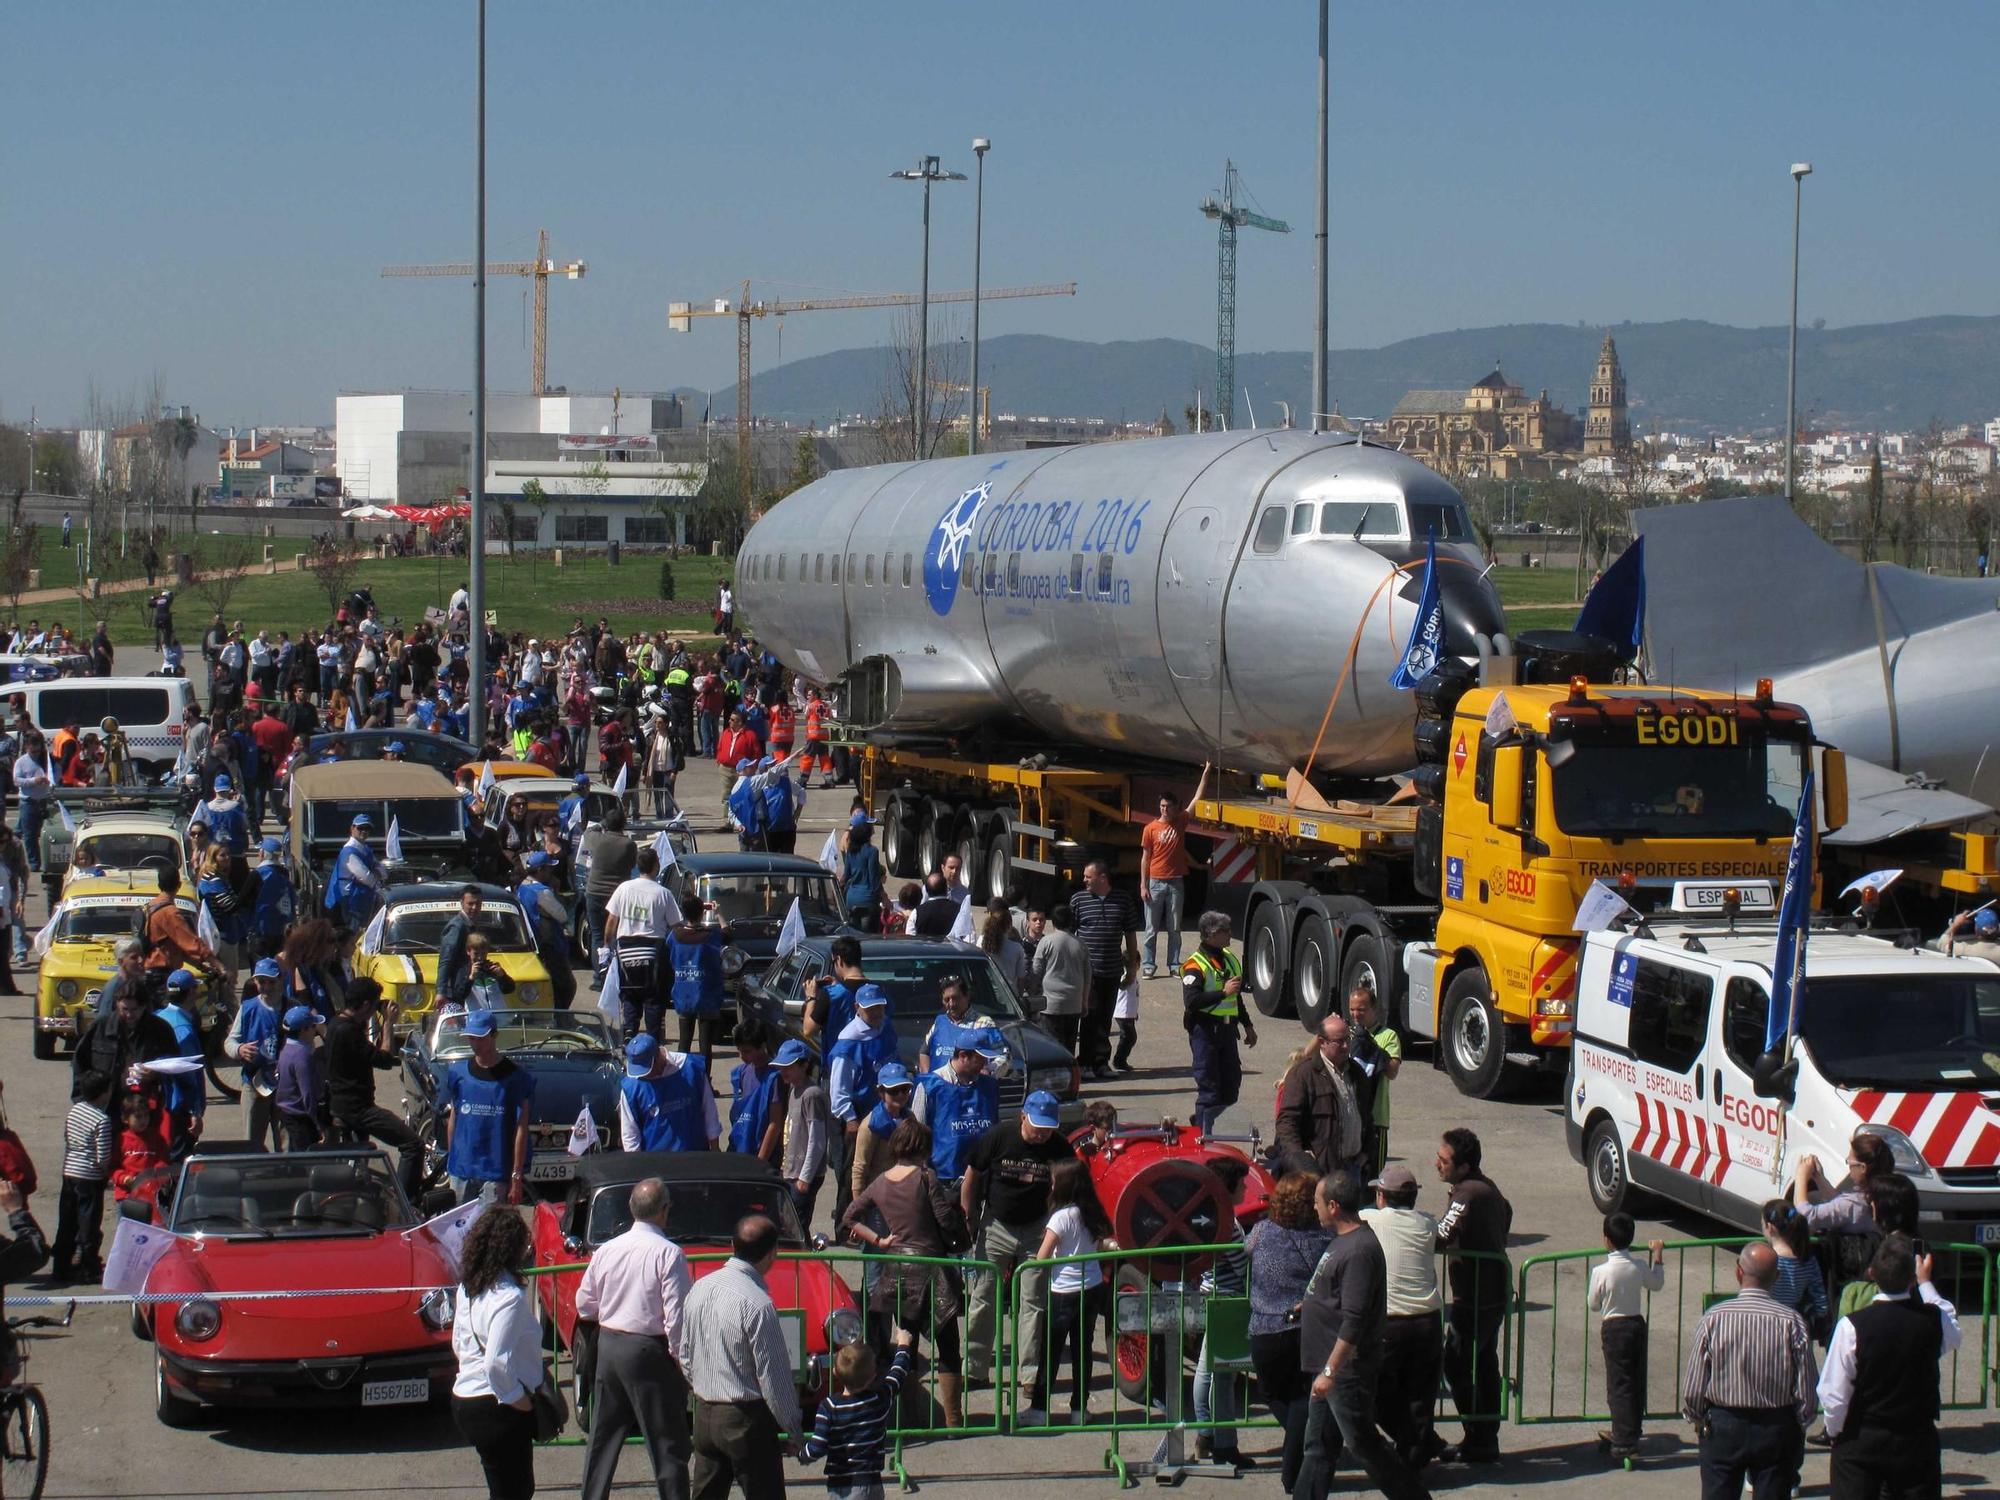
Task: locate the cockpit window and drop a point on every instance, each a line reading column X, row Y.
column 1270, row 529
column 1360, row 518
column 1448, row 521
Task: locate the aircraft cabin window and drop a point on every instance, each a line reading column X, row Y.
column 802, row 567
column 906, row 570
column 833, row 572
column 1014, row 573
column 1104, row 573
column 819, row 567
column 853, row 573
column 781, row 567
column 888, row 567
column 1360, row 518
column 1270, row 529
column 1076, row 574
column 1302, row 518
column 868, row 571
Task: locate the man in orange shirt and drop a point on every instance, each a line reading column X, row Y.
column 1163, row 867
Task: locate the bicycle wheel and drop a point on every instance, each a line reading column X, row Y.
column 24, row 1444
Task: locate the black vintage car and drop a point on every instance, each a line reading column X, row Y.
column 441, row 752
column 575, row 1058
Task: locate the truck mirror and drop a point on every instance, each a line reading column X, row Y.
column 1833, row 789
column 1507, row 768
column 1774, row 1078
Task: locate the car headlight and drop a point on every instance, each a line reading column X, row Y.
column 66, row 989
column 528, row 994
column 1909, row 1160
column 1059, row 1080
column 437, row 1309
column 198, row 1321
column 843, row 1327
column 412, row 997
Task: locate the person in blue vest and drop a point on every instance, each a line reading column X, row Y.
column 354, row 889
column 486, row 1101
column 664, row 1101
column 830, row 1002
column 745, row 805
column 572, row 812
column 961, row 1101
column 894, row 1086
column 227, row 818
column 954, row 1027
column 254, row 1041
column 276, row 900
column 694, row 957
column 757, row 1095
column 852, row 1064
column 784, row 805
column 548, row 920
column 184, row 1094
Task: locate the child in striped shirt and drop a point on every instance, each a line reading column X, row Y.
column 87, row 1150
column 852, row 1426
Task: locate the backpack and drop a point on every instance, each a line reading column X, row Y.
column 142, row 926
column 953, row 1232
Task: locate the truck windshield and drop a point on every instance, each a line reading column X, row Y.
column 1620, row 789
column 1920, row 1031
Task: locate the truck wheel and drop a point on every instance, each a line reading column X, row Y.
column 45, row 1045
column 969, row 844
column 1266, row 963
column 936, row 838
column 1365, row 968
column 1604, row 1164
column 1313, row 970
column 899, row 838
column 999, row 855
column 1474, row 1040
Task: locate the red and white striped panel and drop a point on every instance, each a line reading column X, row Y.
column 1680, row 1141
column 1949, row 1130
column 1233, row 862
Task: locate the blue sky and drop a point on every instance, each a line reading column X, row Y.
column 206, row 191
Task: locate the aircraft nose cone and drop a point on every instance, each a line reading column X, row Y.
column 1471, row 607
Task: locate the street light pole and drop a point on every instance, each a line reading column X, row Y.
column 1319, row 401
column 1800, row 171
column 980, row 146
column 475, row 710
column 926, row 172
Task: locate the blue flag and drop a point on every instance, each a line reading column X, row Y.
column 1788, row 965
column 1616, row 607
column 1426, row 644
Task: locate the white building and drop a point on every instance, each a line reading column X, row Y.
column 596, row 491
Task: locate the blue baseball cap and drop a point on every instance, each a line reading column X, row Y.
column 223, row 783
column 361, row 820
column 859, row 820
column 869, row 996
column 1985, row 921
column 793, row 1051
column 537, row 859
column 396, row 745
column 581, row 781
column 267, row 968
column 894, row 1076
column 746, row 764
column 987, row 1042
column 182, row 979
column 271, row 843
column 640, row 1054
column 479, row 1022
column 299, row 1017
column 1042, row 1110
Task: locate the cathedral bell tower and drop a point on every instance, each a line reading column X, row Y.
column 1607, row 431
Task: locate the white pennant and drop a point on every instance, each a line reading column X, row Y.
column 486, row 781
column 1500, row 720
column 583, row 1134
column 1877, row 881
column 392, row 846
column 607, row 998
column 1600, row 907
column 663, row 850
column 371, row 937
column 829, row 853
column 618, row 786
column 351, row 726
column 135, row 1249
column 69, row 823
column 206, row 930
column 448, row 1230
column 793, row 932
column 46, row 937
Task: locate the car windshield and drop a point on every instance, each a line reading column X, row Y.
column 128, row 851
column 700, row 1212
column 306, row 1196
column 1618, row 789
column 1914, row 1031
column 99, row 919
column 416, row 818
column 912, row 983
column 418, row 926
column 768, row 896
column 527, row 1032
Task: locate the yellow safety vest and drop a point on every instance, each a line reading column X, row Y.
column 1214, row 975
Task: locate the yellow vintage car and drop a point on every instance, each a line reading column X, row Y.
column 413, row 923
column 136, row 843
column 96, row 913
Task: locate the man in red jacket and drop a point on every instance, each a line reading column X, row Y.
column 737, row 742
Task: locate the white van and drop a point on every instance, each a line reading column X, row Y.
column 1902, row 1042
column 148, row 709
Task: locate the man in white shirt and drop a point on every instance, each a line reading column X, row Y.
column 634, row 1290
column 1412, row 1335
column 741, row 1372
column 637, row 920
column 36, row 786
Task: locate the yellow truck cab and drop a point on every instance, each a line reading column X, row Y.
column 97, row 912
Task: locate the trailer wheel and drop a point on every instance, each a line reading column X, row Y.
column 1266, row 963
column 935, row 841
column 999, row 855
column 968, row 842
column 1474, row 1041
column 1313, row 970
column 899, row 837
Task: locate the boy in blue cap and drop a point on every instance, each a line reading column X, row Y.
column 485, row 1102
column 664, row 1101
column 184, row 1094
column 301, row 1091
column 757, row 1095
column 253, row 1040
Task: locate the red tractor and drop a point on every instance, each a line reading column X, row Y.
column 1167, row 1187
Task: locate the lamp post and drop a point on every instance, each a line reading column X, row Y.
column 1800, row 171
column 980, row 146
column 475, row 709
column 1319, row 401
column 927, row 172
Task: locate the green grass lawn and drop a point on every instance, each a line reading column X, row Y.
column 1537, row 585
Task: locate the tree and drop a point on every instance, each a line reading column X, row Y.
column 20, row 549
column 716, row 512
column 805, row 463
column 335, row 571
column 940, row 388
column 1873, row 523
column 504, row 504
column 533, row 494
column 229, row 564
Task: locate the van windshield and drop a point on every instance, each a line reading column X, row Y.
column 1925, row 1031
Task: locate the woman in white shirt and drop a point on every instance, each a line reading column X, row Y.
column 1078, row 1225
column 499, row 1352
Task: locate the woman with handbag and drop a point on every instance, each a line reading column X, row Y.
column 498, row 1347
column 1284, row 1248
column 907, row 1211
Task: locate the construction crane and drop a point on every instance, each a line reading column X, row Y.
column 541, row 268
column 680, row 316
column 1229, row 218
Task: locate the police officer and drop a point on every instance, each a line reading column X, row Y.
column 354, row 890
column 961, row 1101
column 1213, row 1012
column 664, row 1101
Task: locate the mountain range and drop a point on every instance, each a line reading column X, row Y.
column 1684, row 376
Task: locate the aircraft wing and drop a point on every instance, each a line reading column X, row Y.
column 1883, row 804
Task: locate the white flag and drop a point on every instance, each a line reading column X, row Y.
column 830, row 852
column 206, row 930
column 961, row 925
column 392, row 846
column 1600, row 907
column 793, row 932
column 618, row 786
column 1500, row 720
column 351, row 726
column 583, row 1134
column 663, row 850
column 135, row 1249
column 46, row 937
column 371, row 936
column 167, row 1067
column 1877, row 881
column 486, row 781
column 607, row 997
column 448, row 1230
column 69, row 823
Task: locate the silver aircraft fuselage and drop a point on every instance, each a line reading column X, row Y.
column 1191, row 599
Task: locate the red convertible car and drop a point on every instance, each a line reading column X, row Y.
column 327, row 1219
column 708, row 1192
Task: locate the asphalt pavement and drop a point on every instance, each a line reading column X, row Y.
column 98, row 1378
